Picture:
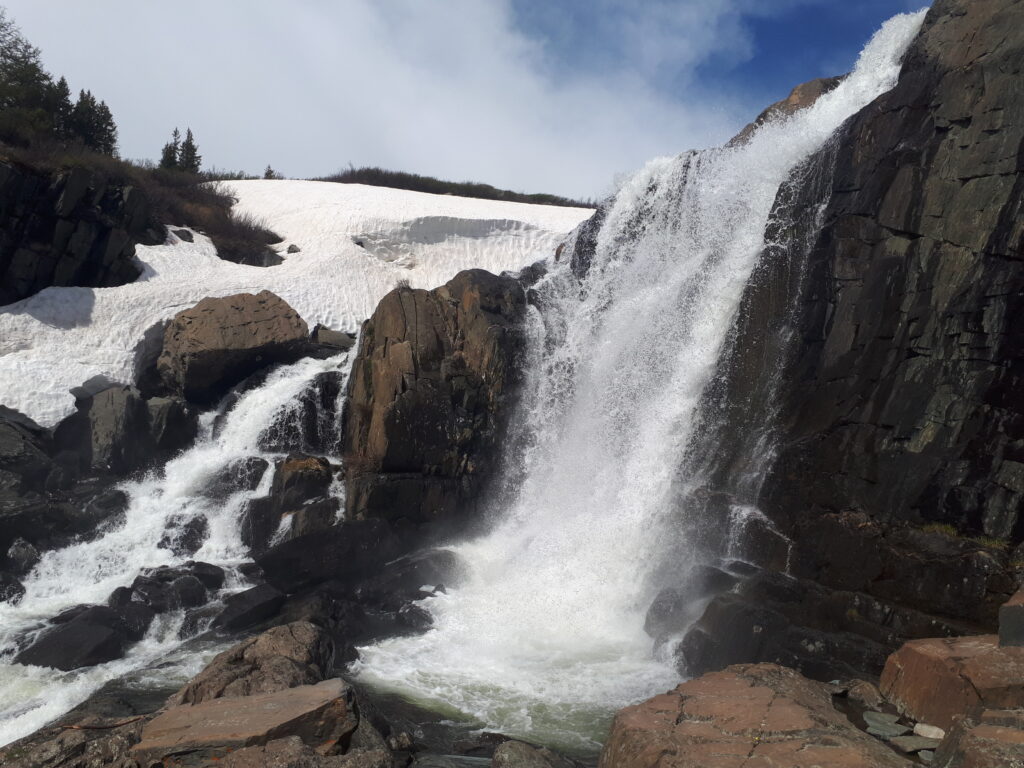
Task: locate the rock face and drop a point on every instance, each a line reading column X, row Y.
column 67, row 228
column 988, row 738
column 220, row 341
column 936, row 680
column 878, row 334
column 899, row 400
column 754, row 714
column 429, row 395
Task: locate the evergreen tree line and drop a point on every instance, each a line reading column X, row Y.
column 34, row 107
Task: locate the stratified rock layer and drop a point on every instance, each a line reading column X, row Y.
column 428, row 396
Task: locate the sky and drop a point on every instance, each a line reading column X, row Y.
column 558, row 96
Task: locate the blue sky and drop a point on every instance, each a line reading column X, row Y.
column 535, row 95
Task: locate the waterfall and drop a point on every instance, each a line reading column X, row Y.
column 543, row 635
column 264, row 422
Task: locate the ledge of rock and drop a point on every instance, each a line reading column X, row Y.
column 745, row 715
column 220, row 341
column 935, row 680
column 428, row 396
column 321, row 715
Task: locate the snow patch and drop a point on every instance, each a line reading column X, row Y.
column 54, row 342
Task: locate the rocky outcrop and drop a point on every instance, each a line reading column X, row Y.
column 283, row 657
column 987, row 738
column 750, row 714
column 429, row 395
column 937, row 680
column 116, row 431
column 68, row 228
column 898, row 399
column 801, row 97
column 220, row 341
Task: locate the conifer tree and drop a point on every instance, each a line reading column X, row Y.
column 189, row 158
column 169, row 156
column 270, row 173
column 61, row 107
column 93, row 125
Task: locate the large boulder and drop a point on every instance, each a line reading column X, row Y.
column 88, row 635
column 429, row 395
column 801, row 97
column 283, row 657
column 220, row 341
column 753, row 714
column 936, row 680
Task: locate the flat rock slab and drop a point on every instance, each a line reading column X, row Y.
column 913, row 743
column 320, row 715
column 938, row 679
column 749, row 715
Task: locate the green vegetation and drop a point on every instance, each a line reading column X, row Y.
column 35, row 109
column 379, row 177
column 949, row 531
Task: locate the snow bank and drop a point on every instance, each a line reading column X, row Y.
column 356, row 242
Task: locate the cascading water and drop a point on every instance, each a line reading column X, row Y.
column 544, row 635
column 265, row 422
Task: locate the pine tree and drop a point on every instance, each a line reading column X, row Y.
column 189, row 158
column 61, row 107
column 270, row 173
column 169, row 156
column 92, row 124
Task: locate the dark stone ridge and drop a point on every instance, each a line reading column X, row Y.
column 428, row 397
column 901, row 398
column 67, row 228
column 220, row 341
column 876, row 348
column 801, row 97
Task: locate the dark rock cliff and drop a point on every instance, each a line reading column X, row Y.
column 876, row 356
column 428, row 396
column 67, row 228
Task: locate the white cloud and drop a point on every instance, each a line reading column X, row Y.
column 450, row 88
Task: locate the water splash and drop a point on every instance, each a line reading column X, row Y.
column 544, row 634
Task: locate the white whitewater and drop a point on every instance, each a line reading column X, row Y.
column 543, row 636
column 87, row 572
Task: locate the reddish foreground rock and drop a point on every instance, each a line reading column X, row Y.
column 749, row 715
column 936, row 680
column 991, row 738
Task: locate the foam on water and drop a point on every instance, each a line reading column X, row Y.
column 543, row 635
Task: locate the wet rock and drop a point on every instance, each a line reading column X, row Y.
column 517, row 754
column 347, row 551
column 211, row 576
column 185, row 538
column 283, row 657
column 21, row 557
column 173, row 425
column 310, row 424
column 87, row 636
column 428, row 397
column 754, row 713
column 167, row 589
column 936, row 680
column 801, row 97
column 11, row 590
column 250, row 607
column 220, row 341
column 321, row 715
column 299, row 479
column 240, row 475
column 259, row 521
